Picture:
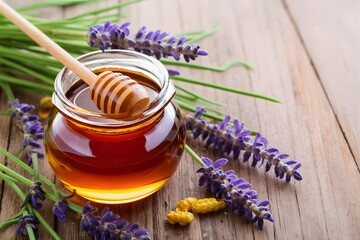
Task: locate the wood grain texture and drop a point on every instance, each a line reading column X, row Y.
column 299, row 50
column 329, row 32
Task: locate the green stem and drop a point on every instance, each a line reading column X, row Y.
column 43, row 69
column 26, row 70
column 208, row 107
column 29, row 230
column 197, row 95
column 223, row 68
column 46, row 225
column 190, row 108
column 5, row 113
column 10, row 221
column 24, row 83
column 25, row 167
column 187, row 97
column 15, row 187
column 206, row 84
column 194, row 155
column 21, row 150
column 35, row 164
column 16, row 54
column 101, row 10
column 15, row 175
column 53, row 3
column 7, row 89
column 203, row 35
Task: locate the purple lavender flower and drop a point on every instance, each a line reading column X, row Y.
column 89, row 222
column 234, row 191
column 234, row 139
column 35, row 194
column 25, row 222
column 151, row 43
column 99, row 35
column 59, row 209
column 30, row 126
column 110, row 226
column 173, row 72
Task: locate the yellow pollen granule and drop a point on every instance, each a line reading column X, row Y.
column 186, row 204
column 183, row 215
column 206, row 205
column 45, row 107
column 180, row 217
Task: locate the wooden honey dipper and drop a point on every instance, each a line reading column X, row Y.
column 111, row 92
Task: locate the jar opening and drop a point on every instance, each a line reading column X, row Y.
column 146, row 70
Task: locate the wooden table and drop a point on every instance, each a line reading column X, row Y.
column 305, row 53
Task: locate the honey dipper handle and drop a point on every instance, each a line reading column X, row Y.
column 44, row 41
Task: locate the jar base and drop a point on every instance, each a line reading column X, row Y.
column 117, row 196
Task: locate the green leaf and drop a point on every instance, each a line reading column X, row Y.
column 26, row 70
column 26, row 56
column 203, row 35
column 35, row 166
column 24, row 83
column 50, row 3
column 10, row 221
column 105, row 9
column 194, row 155
column 197, row 95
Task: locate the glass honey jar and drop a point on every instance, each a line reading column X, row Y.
column 111, row 158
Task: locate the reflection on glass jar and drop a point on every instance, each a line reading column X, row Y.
column 110, row 158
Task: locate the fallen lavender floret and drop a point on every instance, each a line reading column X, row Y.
column 59, row 209
column 235, row 191
column 35, row 194
column 234, row 139
column 148, row 42
column 110, row 226
column 30, row 126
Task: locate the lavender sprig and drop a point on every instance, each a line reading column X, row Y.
column 235, row 191
column 110, row 226
column 236, row 139
column 148, row 42
column 30, row 126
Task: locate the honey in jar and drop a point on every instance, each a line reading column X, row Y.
column 114, row 158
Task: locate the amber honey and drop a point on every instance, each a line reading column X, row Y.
column 115, row 163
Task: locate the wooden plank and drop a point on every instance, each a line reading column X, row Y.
column 307, row 121
column 332, row 40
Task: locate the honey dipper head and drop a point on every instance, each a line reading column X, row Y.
column 116, row 93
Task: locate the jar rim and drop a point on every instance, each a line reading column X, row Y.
column 67, row 107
